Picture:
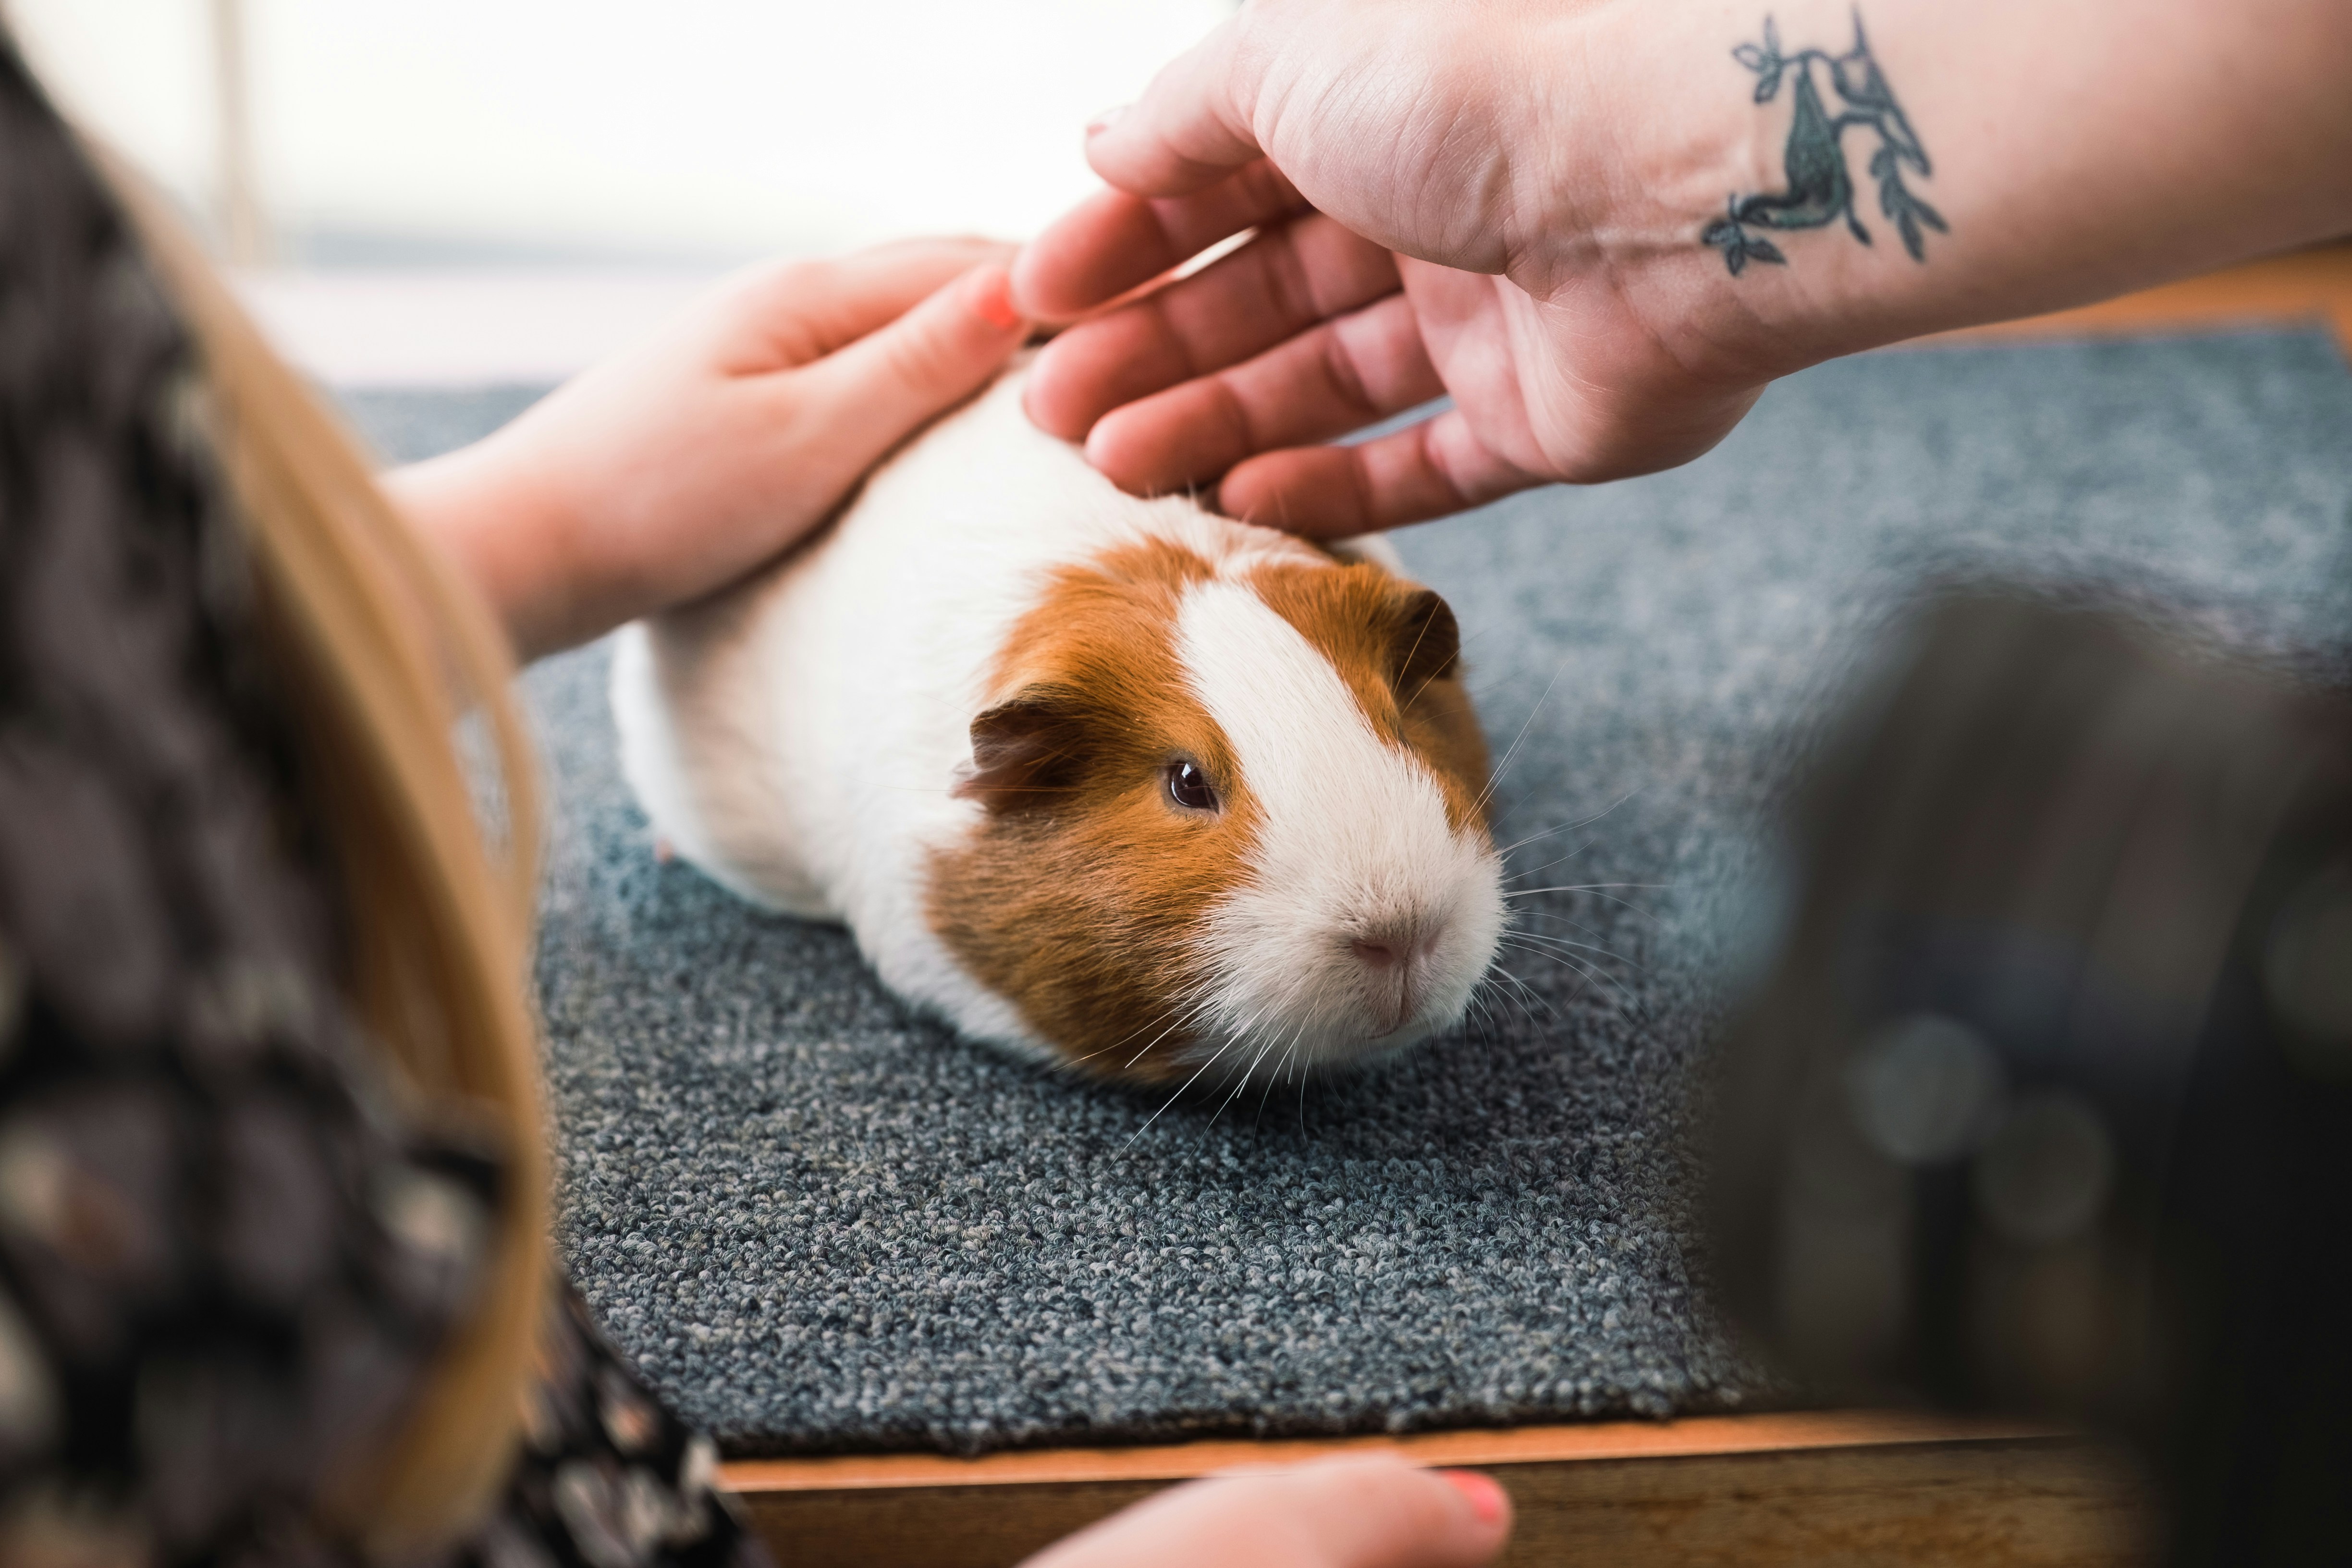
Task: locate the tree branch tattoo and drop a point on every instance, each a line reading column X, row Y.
column 1821, row 188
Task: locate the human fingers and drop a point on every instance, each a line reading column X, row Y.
column 1351, row 372
column 1358, row 1512
column 876, row 390
column 1192, row 126
column 790, row 313
column 1432, row 468
column 1113, row 242
column 1286, row 280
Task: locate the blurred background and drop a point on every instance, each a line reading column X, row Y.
column 451, row 191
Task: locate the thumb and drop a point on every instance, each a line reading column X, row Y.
column 1191, row 127
column 884, row 386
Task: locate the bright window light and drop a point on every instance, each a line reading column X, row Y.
column 390, row 130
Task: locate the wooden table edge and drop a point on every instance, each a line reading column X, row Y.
column 2310, row 287
column 1690, row 1436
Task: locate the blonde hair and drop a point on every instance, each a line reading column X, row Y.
column 383, row 649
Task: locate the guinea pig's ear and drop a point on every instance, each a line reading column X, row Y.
column 1025, row 751
column 1425, row 643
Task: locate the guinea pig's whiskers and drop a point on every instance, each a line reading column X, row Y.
column 1599, row 890
column 1539, row 871
column 1539, row 947
column 1475, row 1019
column 1527, row 994
column 1297, row 1039
column 1481, row 1010
column 1487, row 1019
column 1232, row 1037
column 1180, row 1087
column 1511, row 809
column 1580, row 971
column 1585, row 970
column 1488, row 992
column 1282, row 1073
column 1497, row 999
column 1241, row 1083
column 1425, row 682
column 1533, row 997
column 1523, row 934
column 1289, row 1058
column 1103, row 1051
column 1173, row 1023
column 1509, row 849
column 1432, row 675
column 1520, row 739
column 1560, row 941
column 1570, row 826
column 1563, row 919
column 1190, row 1014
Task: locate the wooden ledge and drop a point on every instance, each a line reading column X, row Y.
column 1826, row 1488
column 2313, row 286
column 1773, row 1433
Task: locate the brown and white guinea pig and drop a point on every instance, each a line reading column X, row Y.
column 1110, row 782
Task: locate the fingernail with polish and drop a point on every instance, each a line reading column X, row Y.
column 1483, row 1493
column 991, row 298
column 1105, row 120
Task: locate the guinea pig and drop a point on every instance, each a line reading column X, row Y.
column 1110, row 782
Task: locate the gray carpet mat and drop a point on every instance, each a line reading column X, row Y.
column 820, row 1224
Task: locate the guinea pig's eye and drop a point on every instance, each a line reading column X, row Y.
column 1188, row 786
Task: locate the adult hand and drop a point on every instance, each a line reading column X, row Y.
column 670, row 471
column 1603, row 227
column 1370, row 1512
column 1424, row 230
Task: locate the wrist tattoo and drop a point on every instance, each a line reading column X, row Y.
column 1821, row 189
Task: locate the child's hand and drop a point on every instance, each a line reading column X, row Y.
column 673, row 470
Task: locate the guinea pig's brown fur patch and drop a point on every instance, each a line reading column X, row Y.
column 1397, row 648
column 1088, row 847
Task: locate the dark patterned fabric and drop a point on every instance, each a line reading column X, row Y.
column 609, row 1479
column 225, row 1262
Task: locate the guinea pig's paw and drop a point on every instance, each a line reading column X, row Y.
column 664, row 850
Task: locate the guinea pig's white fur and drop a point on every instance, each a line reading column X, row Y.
column 881, row 729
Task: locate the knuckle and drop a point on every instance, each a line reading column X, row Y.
column 1230, row 411
column 1289, row 281
column 1345, row 377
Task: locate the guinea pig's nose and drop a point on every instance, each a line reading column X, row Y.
column 1395, row 969
column 1404, row 945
